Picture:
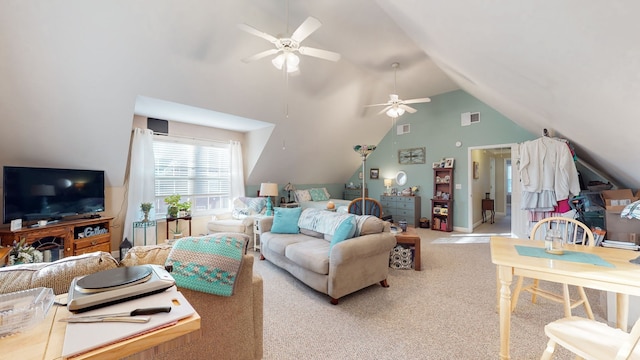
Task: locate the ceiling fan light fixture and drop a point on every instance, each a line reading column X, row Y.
column 395, row 112
column 288, row 59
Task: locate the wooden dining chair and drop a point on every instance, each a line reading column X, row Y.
column 573, row 232
column 592, row 340
column 371, row 207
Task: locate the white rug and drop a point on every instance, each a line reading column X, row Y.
column 462, row 240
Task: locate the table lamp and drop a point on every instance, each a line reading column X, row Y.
column 387, row 184
column 269, row 190
column 289, row 188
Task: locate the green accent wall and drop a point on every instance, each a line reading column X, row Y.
column 436, row 126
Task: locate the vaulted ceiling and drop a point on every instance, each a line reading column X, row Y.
column 71, row 71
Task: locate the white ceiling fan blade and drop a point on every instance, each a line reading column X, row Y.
column 409, row 109
column 319, row 53
column 385, row 110
column 251, row 30
column 260, row 55
column 305, row 29
column 385, row 104
column 415, row 101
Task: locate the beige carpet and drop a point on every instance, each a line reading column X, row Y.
column 446, row 311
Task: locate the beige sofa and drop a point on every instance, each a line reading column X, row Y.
column 348, row 266
column 231, row 327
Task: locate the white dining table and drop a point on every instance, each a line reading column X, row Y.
column 623, row 278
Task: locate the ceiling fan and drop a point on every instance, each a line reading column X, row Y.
column 395, row 107
column 286, row 47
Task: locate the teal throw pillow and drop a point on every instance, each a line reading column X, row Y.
column 285, row 220
column 318, row 195
column 345, row 230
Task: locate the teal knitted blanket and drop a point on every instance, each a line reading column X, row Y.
column 207, row 264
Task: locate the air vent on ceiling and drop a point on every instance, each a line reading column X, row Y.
column 403, row 129
column 469, row 118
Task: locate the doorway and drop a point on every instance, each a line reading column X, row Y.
column 492, row 179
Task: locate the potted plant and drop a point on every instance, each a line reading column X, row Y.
column 146, row 207
column 172, row 202
column 22, row 253
column 184, row 208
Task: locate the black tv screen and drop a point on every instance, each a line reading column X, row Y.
column 33, row 194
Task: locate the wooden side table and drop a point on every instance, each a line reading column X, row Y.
column 488, row 205
column 170, row 219
column 4, row 255
column 410, row 237
column 289, row 205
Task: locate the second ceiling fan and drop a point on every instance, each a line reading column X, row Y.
column 395, row 107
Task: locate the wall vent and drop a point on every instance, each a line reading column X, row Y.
column 469, row 118
column 403, row 129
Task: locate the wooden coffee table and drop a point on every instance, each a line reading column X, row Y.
column 45, row 341
column 410, row 237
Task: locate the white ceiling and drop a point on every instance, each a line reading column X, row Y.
column 71, row 73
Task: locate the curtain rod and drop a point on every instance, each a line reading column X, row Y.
column 192, row 138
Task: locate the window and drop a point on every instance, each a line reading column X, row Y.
column 199, row 171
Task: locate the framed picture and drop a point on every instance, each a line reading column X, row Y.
column 374, row 173
column 476, row 174
column 448, row 163
column 435, row 165
column 412, row 156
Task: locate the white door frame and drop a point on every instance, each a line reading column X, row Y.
column 517, row 217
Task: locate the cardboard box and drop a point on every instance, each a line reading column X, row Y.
column 622, row 229
column 616, row 200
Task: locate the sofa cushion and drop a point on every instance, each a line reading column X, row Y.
column 277, row 243
column 312, row 254
column 302, row 195
column 56, row 275
column 368, row 224
column 318, row 195
column 285, row 220
column 149, row 254
column 345, row 230
column 227, row 225
column 312, row 233
column 209, row 263
column 248, row 206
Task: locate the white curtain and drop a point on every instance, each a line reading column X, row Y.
column 237, row 172
column 141, row 180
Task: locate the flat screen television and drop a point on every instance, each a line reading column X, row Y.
column 33, row 194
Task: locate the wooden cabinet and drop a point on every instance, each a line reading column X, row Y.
column 351, row 194
column 402, row 208
column 442, row 201
column 64, row 238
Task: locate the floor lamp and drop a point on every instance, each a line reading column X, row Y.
column 364, row 151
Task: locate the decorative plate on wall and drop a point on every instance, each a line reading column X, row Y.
column 412, row 156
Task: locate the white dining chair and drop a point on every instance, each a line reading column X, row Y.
column 592, row 340
column 573, row 232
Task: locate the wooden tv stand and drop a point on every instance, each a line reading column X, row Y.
column 77, row 236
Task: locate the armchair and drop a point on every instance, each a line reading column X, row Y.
column 241, row 218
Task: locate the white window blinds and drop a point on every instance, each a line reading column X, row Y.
column 200, row 172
